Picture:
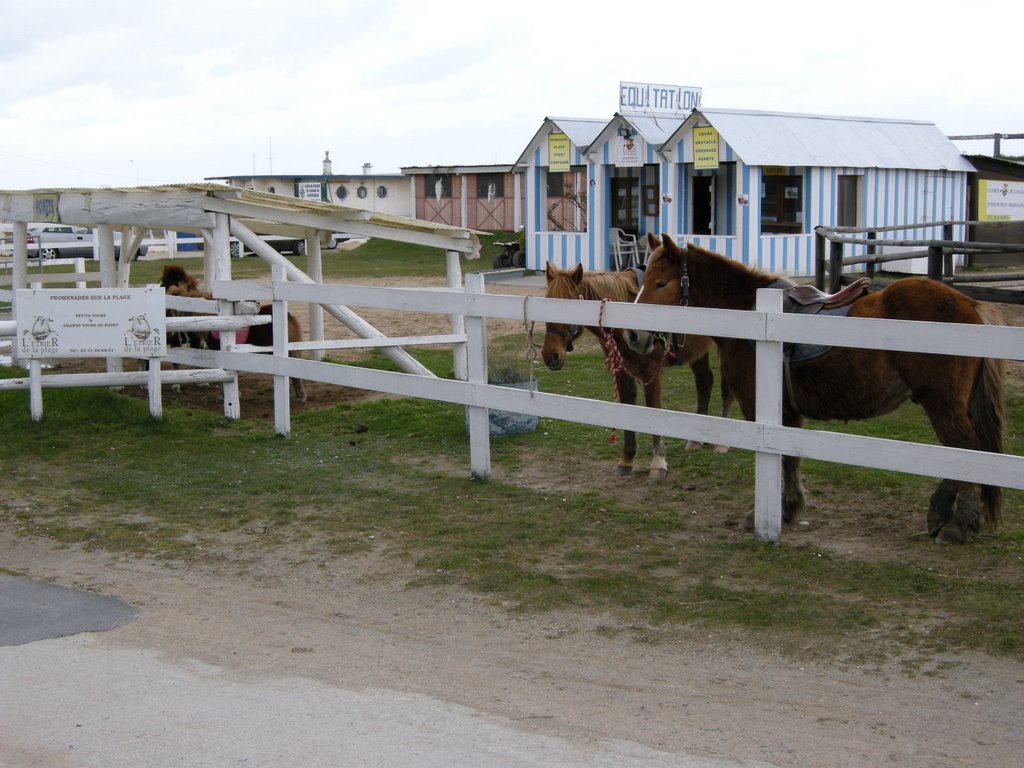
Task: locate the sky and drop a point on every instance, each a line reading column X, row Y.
column 104, row 93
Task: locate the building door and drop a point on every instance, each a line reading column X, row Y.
column 703, row 205
column 846, row 214
column 626, row 205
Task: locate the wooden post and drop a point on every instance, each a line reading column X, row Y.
column 315, row 269
column 872, row 236
column 282, row 402
column 947, row 254
column 768, row 466
column 217, row 266
column 479, row 420
column 835, row 267
column 458, row 322
column 19, row 272
column 935, row 262
column 819, row 259
column 108, row 277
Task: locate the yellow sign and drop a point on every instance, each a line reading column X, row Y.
column 558, row 152
column 775, row 170
column 705, row 147
column 1000, row 200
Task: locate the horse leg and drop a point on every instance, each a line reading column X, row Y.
column 956, row 509
column 792, row 489
column 727, row 400
column 626, row 387
column 652, row 398
column 295, row 334
column 704, row 380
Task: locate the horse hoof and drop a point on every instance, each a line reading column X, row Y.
column 721, row 449
column 693, row 445
column 622, row 470
column 658, row 473
column 951, row 534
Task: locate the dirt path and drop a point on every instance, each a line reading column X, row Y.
column 351, row 624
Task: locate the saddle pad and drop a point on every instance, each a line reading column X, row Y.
column 799, row 353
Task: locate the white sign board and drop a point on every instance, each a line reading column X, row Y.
column 1000, row 200
column 91, row 322
column 628, row 152
column 309, row 190
column 654, row 99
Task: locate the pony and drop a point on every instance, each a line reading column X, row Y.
column 628, row 367
column 964, row 397
column 177, row 282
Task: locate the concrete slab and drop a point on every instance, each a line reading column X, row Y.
column 34, row 610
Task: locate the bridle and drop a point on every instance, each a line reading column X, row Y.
column 672, row 345
column 567, row 334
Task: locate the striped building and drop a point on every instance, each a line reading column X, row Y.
column 751, row 185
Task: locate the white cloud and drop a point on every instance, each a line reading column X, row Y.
column 108, row 92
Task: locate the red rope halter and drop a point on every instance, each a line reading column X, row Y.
column 612, row 357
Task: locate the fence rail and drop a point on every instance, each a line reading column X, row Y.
column 831, row 260
column 767, row 326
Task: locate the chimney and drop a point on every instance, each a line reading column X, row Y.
column 327, row 164
column 367, row 167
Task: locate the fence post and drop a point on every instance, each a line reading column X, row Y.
column 935, row 262
column 315, row 269
column 768, row 466
column 872, row 236
column 476, row 349
column 819, row 259
column 835, row 267
column 947, row 257
column 458, row 324
column 282, row 401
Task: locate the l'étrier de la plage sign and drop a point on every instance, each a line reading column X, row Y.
column 91, row 322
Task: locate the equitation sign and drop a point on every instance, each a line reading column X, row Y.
column 91, row 322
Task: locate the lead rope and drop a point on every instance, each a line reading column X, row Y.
column 612, row 359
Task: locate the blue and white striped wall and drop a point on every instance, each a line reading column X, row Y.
column 887, row 197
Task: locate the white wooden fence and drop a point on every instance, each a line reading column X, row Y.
column 766, row 325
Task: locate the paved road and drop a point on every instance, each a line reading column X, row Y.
column 76, row 697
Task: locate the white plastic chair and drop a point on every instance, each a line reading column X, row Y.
column 624, row 249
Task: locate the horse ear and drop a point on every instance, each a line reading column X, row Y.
column 550, row 271
column 577, row 274
column 652, row 241
column 670, row 246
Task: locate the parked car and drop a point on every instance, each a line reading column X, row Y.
column 51, row 241
column 285, row 244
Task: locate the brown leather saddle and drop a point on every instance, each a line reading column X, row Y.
column 808, row 300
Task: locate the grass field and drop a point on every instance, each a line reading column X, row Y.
column 552, row 529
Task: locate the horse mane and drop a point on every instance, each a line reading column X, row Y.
column 617, row 286
column 733, row 283
column 175, row 275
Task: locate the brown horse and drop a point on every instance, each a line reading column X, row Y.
column 643, row 368
column 962, row 396
column 177, row 282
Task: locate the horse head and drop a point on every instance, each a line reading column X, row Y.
column 174, row 275
column 665, row 281
column 558, row 337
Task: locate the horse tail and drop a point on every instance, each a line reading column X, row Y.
column 988, row 415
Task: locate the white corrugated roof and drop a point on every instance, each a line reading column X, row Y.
column 776, row 138
column 581, row 132
column 654, row 130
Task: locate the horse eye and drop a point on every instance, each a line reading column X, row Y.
column 661, row 284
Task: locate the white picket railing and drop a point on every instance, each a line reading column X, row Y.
column 767, row 326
